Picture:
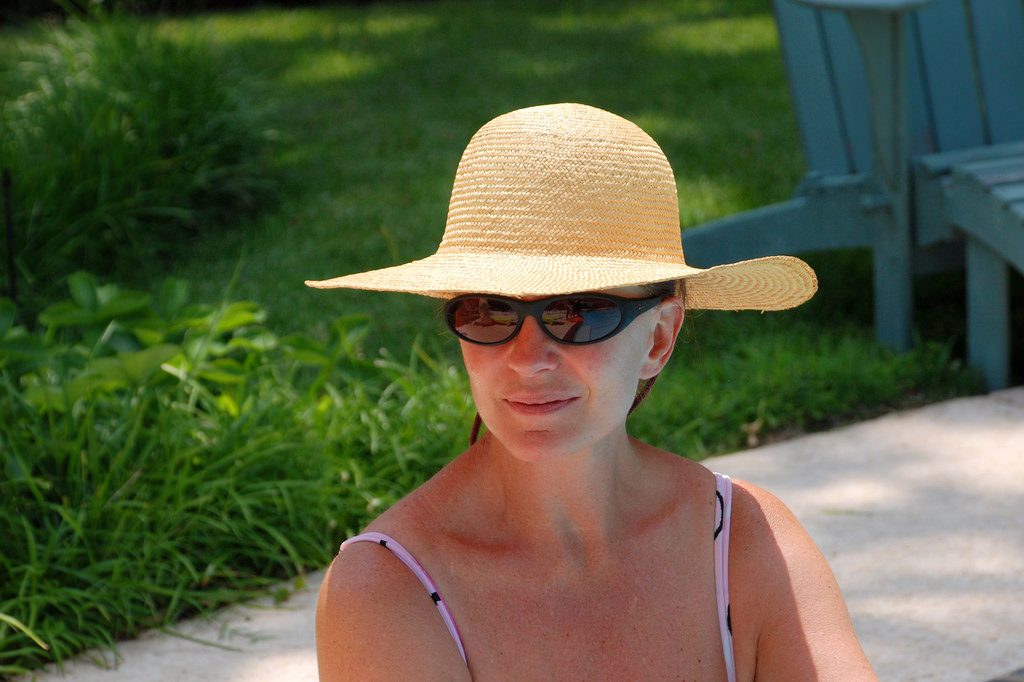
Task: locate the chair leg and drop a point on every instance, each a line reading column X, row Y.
column 894, row 287
column 988, row 314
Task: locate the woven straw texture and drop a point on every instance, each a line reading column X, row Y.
column 567, row 198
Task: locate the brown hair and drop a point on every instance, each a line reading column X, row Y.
column 673, row 287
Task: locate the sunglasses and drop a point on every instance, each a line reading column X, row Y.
column 573, row 318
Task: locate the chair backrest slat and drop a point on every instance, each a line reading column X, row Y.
column 999, row 40
column 854, row 104
column 920, row 109
column 941, row 51
column 814, row 89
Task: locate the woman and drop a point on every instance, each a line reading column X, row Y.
column 557, row 546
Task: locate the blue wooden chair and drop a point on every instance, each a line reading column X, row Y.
column 911, row 117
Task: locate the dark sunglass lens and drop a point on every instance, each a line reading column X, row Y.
column 580, row 319
column 484, row 320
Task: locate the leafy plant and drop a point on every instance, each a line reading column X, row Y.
column 123, row 145
column 161, row 459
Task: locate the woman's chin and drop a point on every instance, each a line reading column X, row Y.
column 540, row 445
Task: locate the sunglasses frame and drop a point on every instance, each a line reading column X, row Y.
column 629, row 309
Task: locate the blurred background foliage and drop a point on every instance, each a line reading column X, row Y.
column 122, row 145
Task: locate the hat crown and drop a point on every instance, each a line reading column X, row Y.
column 565, row 198
column 564, row 179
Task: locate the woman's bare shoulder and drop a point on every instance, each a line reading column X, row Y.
column 375, row 618
column 788, row 614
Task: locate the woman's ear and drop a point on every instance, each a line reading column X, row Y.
column 663, row 336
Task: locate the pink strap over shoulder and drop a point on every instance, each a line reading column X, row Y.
column 723, row 524
column 424, row 578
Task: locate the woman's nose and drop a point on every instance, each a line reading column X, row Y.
column 532, row 350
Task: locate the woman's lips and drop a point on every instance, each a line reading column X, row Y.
column 538, row 406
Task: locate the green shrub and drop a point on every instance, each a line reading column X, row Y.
column 751, row 378
column 159, row 459
column 123, row 145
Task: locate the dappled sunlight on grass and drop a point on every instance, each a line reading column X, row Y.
column 531, row 66
column 617, row 16
column 719, row 37
column 701, row 198
column 622, row 18
column 330, row 66
column 304, row 25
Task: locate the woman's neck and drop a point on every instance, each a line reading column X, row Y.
column 580, row 505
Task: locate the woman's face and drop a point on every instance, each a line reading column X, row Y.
column 541, row 398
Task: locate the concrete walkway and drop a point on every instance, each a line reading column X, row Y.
column 921, row 514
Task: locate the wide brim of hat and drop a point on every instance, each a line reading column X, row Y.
column 770, row 283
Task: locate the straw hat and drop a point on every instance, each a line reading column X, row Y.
column 567, row 198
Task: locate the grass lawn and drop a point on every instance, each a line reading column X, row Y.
column 373, row 106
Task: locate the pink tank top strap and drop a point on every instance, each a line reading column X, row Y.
column 435, row 595
column 723, row 519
